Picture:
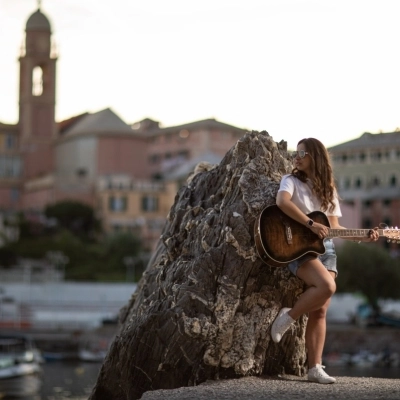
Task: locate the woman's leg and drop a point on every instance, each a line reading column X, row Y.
column 315, row 335
column 321, row 286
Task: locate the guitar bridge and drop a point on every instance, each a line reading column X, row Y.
column 288, row 231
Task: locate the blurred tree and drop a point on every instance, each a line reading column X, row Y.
column 97, row 261
column 370, row 270
column 79, row 218
column 91, row 257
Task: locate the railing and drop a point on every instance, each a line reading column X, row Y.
column 60, row 317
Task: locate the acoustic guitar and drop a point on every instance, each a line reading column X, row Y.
column 280, row 239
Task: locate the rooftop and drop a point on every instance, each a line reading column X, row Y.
column 370, row 140
column 104, row 121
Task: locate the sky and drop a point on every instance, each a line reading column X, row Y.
column 296, row 68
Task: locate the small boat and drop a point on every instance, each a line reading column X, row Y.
column 20, row 369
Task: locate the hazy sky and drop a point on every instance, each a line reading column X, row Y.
column 296, row 68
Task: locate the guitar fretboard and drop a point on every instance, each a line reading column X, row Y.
column 337, row 233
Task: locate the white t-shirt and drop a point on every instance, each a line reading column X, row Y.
column 303, row 196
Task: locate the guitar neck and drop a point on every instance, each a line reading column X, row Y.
column 338, row 233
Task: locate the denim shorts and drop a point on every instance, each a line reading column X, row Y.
column 328, row 259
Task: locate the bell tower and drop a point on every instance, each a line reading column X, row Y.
column 37, row 97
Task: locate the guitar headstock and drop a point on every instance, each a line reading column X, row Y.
column 391, row 234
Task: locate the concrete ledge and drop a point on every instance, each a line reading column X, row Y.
column 283, row 388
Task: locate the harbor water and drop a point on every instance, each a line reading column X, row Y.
column 63, row 380
column 75, row 380
column 59, row 381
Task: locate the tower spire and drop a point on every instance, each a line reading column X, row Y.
column 39, row 3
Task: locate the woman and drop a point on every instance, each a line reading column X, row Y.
column 308, row 188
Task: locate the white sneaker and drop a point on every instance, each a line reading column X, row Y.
column 317, row 374
column 281, row 324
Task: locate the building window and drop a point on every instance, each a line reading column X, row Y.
column 347, row 183
column 387, row 202
column 10, row 141
column 81, row 172
column 358, row 183
column 367, row 203
column 37, row 81
column 362, row 157
column 10, row 166
column 376, row 181
column 149, row 203
column 393, row 181
column 117, row 204
column 367, row 223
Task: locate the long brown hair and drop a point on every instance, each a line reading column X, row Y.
column 323, row 180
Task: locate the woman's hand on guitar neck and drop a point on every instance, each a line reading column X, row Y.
column 373, row 235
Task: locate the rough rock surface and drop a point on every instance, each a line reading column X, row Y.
column 204, row 306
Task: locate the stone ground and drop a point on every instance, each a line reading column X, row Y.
column 283, row 388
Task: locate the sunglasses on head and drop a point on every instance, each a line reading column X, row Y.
column 300, row 153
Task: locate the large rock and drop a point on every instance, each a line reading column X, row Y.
column 204, row 306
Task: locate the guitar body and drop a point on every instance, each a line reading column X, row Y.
column 280, row 239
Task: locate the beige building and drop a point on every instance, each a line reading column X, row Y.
column 367, row 170
column 138, row 207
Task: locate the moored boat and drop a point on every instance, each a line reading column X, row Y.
column 20, row 370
